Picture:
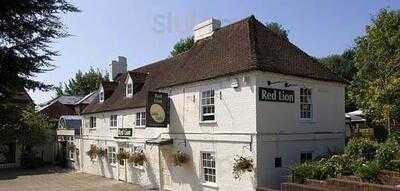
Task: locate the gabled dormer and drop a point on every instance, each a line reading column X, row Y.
column 129, row 86
column 101, row 93
column 106, row 90
column 134, row 83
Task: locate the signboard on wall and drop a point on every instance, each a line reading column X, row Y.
column 125, row 132
column 275, row 95
column 157, row 109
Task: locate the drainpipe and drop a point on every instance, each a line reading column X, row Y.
column 160, row 169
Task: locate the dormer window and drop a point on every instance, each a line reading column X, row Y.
column 129, row 90
column 129, row 86
column 101, row 94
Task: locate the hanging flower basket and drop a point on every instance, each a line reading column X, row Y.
column 100, row 152
column 137, row 158
column 122, row 155
column 92, row 152
column 179, row 158
column 242, row 165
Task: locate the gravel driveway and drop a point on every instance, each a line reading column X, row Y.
column 58, row 180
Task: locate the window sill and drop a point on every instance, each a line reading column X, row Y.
column 92, row 128
column 208, row 122
column 210, row 185
column 140, row 127
column 306, row 121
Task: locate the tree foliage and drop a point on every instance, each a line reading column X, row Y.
column 83, row 83
column 182, row 45
column 377, row 57
column 343, row 65
column 278, row 29
column 26, row 30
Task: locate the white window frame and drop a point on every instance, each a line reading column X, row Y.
column 101, row 95
column 207, row 165
column 129, row 90
column 306, row 101
column 113, row 122
column 92, row 122
column 111, row 155
column 207, row 99
column 140, row 119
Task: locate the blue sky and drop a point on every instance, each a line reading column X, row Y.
column 145, row 31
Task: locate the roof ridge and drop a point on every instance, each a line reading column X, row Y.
column 253, row 39
column 247, row 19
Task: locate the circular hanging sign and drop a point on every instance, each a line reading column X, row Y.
column 157, row 113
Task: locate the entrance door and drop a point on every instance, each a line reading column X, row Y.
column 122, row 171
column 166, row 175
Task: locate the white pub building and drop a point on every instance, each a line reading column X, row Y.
column 241, row 92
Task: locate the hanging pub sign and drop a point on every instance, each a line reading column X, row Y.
column 157, row 109
column 275, row 95
column 125, row 132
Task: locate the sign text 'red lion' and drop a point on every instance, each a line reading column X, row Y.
column 275, row 95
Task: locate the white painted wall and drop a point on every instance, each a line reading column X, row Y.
column 283, row 134
column 243, row 126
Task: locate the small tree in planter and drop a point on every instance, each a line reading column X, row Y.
column 92, row 152
column 179, row 158
column 242, row 165
column 100, row 152
column 137, row 158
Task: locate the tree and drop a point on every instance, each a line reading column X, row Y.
column 26, row 30
column 83, row 83
column 182, row 45
column 277, row 29
column 344, row 66
column 377, row 57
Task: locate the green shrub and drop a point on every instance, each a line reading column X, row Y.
column 361, row 148
column 393, row 165
column 319, row 170
column 387, row 152
column 369, row 171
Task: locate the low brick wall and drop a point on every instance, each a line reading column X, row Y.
column 348, row 185
column 389, row 177
column 335, row 184
column 299, row 187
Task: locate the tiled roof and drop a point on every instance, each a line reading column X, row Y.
column 239, row 47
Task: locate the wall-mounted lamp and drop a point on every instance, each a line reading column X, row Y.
column 272, row 83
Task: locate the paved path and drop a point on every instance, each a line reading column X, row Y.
column 59, row 180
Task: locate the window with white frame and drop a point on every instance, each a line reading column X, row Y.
column 101, row 95
column 140, row 119
column 207, row 106
column 208, row 165
column 306, row 106
column 92, row 122
column 129, row 89
column 111, row 155
column 113, row 121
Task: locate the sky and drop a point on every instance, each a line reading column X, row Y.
column 145, row 31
